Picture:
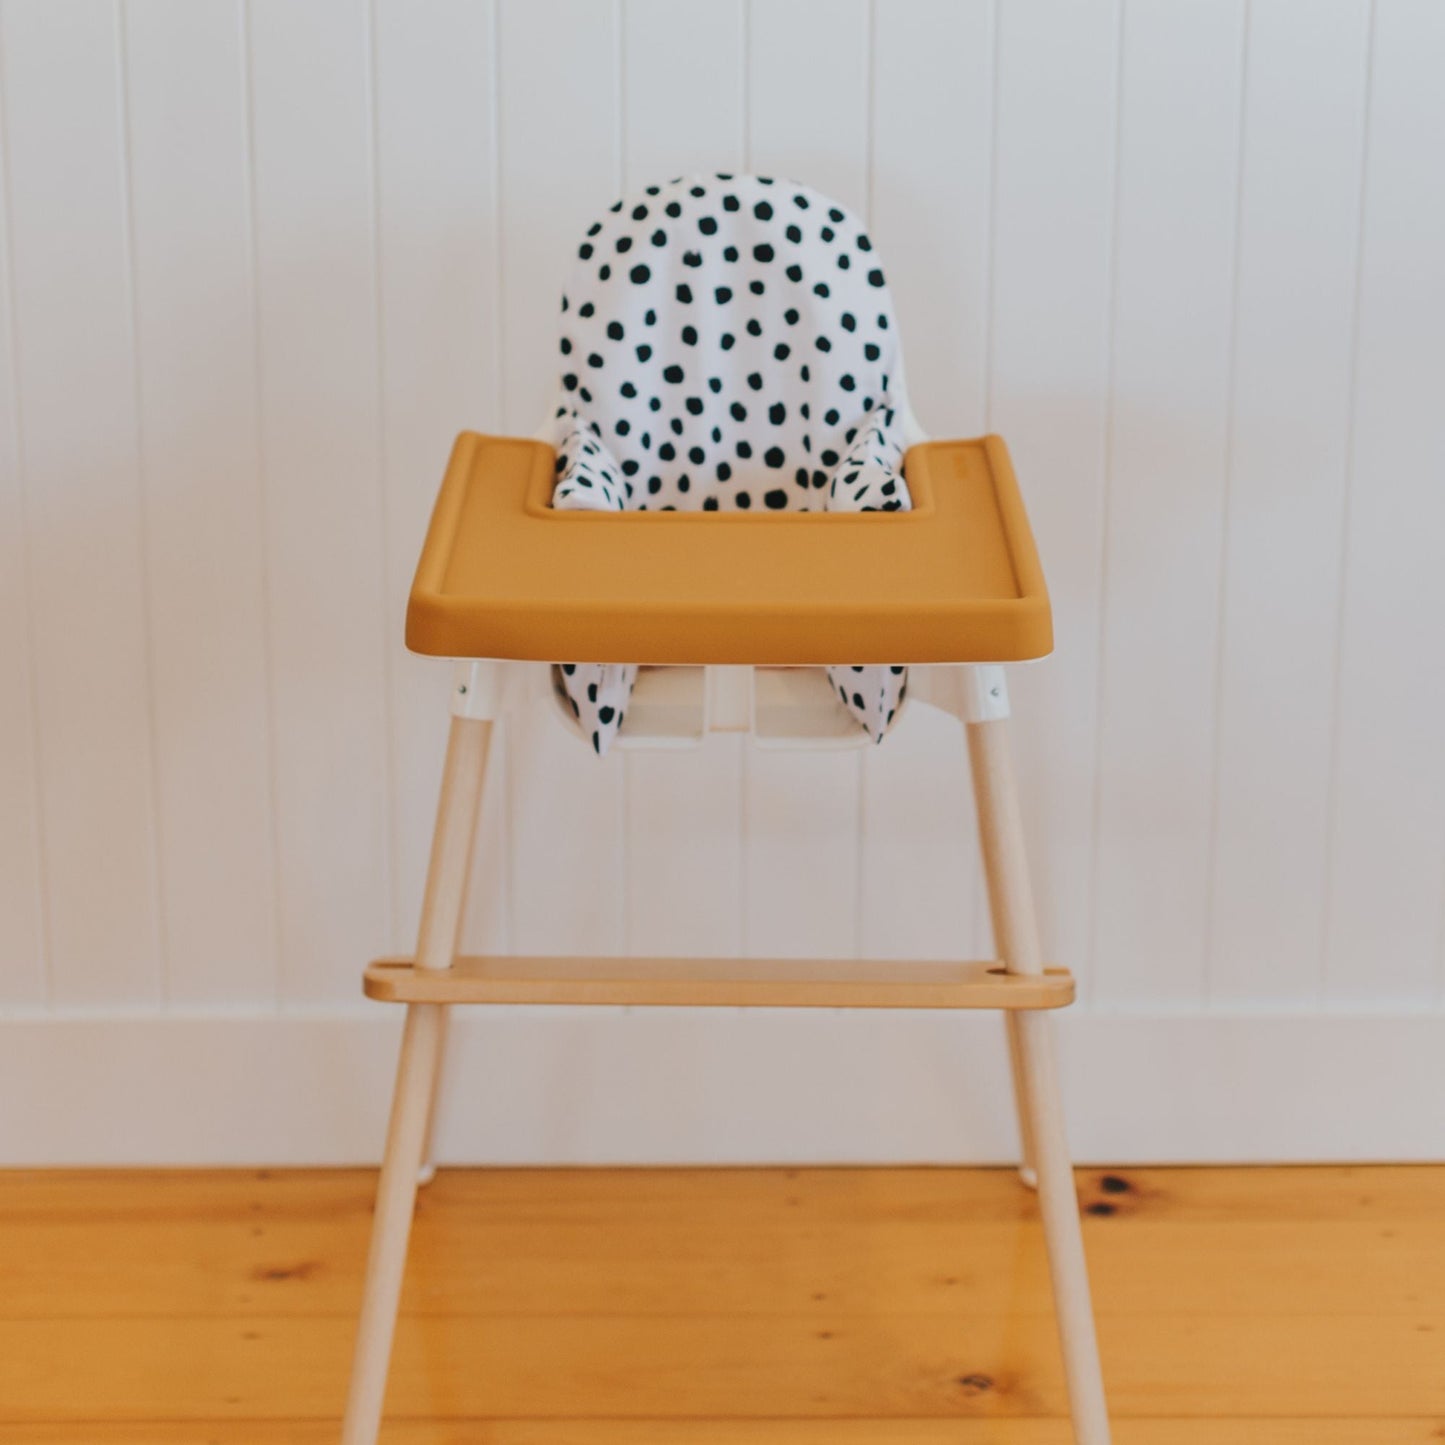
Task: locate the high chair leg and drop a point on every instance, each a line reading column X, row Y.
column 391, row 1224
column 1017, row 941
column 1028, row 1165
column 416, row 1078
column 1059, row 1206
column 427, row 1171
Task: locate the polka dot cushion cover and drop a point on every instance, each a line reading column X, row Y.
column 728, row 344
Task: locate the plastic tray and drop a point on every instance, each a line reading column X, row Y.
column 504, row 575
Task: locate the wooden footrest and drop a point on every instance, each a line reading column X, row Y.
column 720, row 983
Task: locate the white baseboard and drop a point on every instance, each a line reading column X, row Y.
column 576, row 1086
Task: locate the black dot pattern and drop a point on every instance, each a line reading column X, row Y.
column 758, row 339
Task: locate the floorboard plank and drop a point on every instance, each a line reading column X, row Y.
column 721, row 1367
column 1257, row 1431
column 647, row 1196
column 462, row 1263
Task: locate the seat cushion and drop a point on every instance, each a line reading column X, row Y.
column 728, row 343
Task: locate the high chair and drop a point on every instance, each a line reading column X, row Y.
column 809, row 549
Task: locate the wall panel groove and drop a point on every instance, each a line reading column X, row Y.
column 1178, row 186
column 24, row 976
column 1106, row 456
column 1382, row 936
column 271, row 991
column 146, row 558
column 396, row 845
column 1295, row 304
column 1342, row 553
column 196, row 395
column 76, row 404
column 316, row 310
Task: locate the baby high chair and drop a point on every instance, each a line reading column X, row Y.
column 732, row 494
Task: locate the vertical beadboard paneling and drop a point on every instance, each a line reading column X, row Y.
column 1288, row 447
column 196, row 350
column 1048, row 387
column 267, row 259
column 683, row 112
column 76, row 385
column 808, row 81
column 1178, row 181
column 560, row 166
column 437, row 255
column 932, row 145
column 319, row 436
column 22, row 932
column 1388, row 829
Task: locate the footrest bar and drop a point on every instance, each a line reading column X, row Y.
column 720, row 983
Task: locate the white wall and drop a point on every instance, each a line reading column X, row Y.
column 262, row 260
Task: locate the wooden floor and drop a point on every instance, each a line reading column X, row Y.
column 812, row 1307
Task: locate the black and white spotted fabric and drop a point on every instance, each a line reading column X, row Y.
column 728, row 344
